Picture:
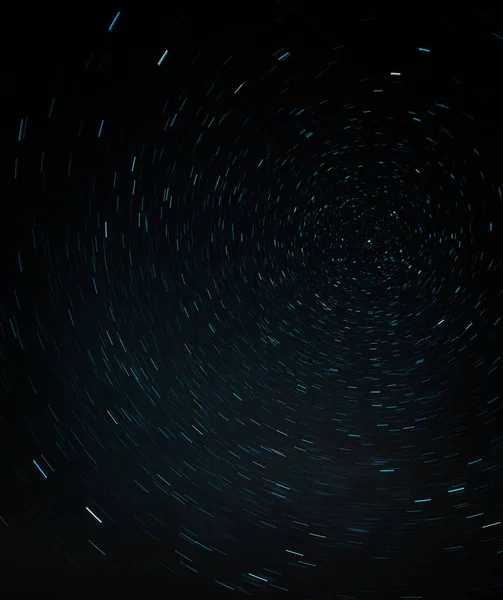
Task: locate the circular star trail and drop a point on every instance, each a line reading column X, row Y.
column 251, row 298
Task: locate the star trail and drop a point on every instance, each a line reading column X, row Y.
column 250, row 302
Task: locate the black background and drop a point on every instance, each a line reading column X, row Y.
column 46, row 55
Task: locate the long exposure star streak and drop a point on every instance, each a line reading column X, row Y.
column 251, row 301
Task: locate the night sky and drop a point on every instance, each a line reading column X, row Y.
column 251, row 302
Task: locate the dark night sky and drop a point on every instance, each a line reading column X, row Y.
column 250, row 302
